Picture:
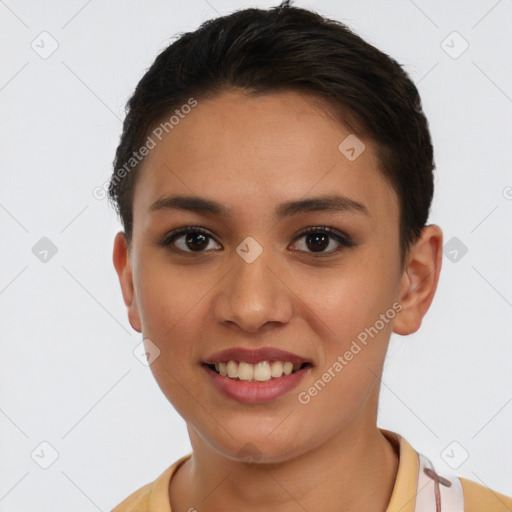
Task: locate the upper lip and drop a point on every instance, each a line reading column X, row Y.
column 254, row 356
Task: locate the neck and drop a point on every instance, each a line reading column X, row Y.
column 354, row 470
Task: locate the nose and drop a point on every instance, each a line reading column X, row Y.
column 254, row 295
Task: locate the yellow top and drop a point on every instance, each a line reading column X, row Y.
column 154, row 497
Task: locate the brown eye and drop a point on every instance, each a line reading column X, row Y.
column 189, row 239
column 320, row 239
column 196, row 241
column 317, row 242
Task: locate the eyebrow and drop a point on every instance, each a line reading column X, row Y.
column 334, row 203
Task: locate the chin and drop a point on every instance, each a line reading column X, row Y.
column 257, row 448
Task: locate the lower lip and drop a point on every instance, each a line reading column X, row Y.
column 255, row 392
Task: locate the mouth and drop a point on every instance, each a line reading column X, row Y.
column 255, row 375
column 262, row 371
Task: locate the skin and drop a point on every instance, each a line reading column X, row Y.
column 251, row 154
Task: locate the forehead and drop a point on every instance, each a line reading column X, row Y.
column 253, row 152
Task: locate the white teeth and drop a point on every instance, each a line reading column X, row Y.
column 245, row 371
column 232, row 369
column 261, row 372
column 276, row 369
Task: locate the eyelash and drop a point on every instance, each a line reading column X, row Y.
column 344, row 240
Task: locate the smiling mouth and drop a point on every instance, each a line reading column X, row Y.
column 259, row 372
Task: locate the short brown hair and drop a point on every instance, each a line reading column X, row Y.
column 290, row 48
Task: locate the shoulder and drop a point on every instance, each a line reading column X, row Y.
column 478, row 498
column 152, row 497
column 138, row 501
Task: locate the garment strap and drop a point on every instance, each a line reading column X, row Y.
column 436, row 493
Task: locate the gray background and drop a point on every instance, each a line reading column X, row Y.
column 68, row 375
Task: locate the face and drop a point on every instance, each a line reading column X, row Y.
column 267, row 271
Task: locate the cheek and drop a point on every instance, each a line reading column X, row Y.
column 350, row 304
column 167, row 294
column 344, row 389
column 347, row 299
column 170, row 305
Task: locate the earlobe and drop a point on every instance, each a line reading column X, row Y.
column 122, row 263
column 419, row 280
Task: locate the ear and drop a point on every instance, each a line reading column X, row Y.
column 122, row 263
column 419, row 280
